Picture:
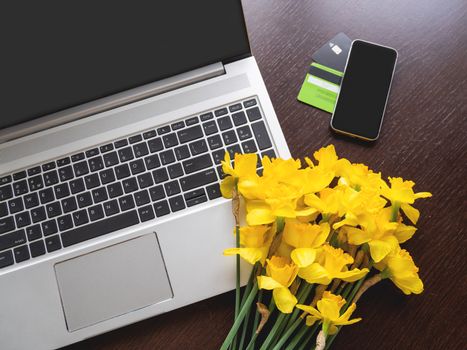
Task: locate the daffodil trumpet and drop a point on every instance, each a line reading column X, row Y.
column 319, row 234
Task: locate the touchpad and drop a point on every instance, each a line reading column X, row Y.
column 112, row 281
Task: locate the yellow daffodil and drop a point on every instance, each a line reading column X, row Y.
column 245, row 167
column 328, row 313
column 255, row 242
column 328, row 202
column 327, row 158
column 401, row 194
column 330, row 263
column 280, row 275
column 400, row 268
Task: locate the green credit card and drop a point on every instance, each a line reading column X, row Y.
column 321, row 87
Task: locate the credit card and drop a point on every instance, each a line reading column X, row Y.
column 334, row 53
column 320, row 87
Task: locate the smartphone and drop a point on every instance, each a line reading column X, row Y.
column 364, row 90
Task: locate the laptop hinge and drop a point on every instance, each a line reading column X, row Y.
column 113, row 101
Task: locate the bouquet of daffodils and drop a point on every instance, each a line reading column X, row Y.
column 318, row 236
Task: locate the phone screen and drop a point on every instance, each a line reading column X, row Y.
column 364, row 90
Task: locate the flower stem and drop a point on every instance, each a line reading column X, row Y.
column 295, row 340
column 309, row 336
column 241, row 315
column 237, row 280
column 273, row 331
column 271, row 308
column 287, row 334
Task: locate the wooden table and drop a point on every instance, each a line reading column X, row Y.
column 423, row 138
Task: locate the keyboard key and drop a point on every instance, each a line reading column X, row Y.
column 214, row 142
column 34, row 232
column 61, row 191
column 178, row 125
column 197, row 163
column 130, row 185
column 121, row 143
column 107, row 148
column 19, row 175
column 220, row 112
column 261, row 135
column 239, row 118
column 107, row 176
column 198, row 179
column 19, row 188
column 21, row 253
column 53, row 209
column 77, row 186
column 235, row 107
column 206, row 116
column 38, row 214
column 249, row 103
column 175, row 170
column 198, row 147
column 110, row 159
column 126, row 202
column 156, row 193
column 46, row 195
column 249, row 147
column 115, row 190
column 192, row 121
column 53, row 243
column 218, row 156
column 49, row 227
column 182, row 152
column 15, row 205
column 111, row 207
column 37, row 248
column 145, row 180
column 141, row 149
column 155, row 145
column 13, row 239
column 135, row 138
column 253, row 114
column 163, row 130
column 48, row 166
column 69, row 204
column 125, row 154
column 100, row 228
column 96, row 212
column 149, row 134
column 63, row 161
column 195, row 201
column 35, row 183
column 270, row 153
column 152, row 162
column 31, row 200
column 99, row 195
column 177, row 203
column 80, row 217
column 6, row 192
column 84, row 199
column 96, row 164
column 220, row 172
column 65, row 173
column 34, row 171
column 146, row 213
column 190, row 134
column 3, row 209
column 7, row 224
column 137, row 166
column 122, row 171
column 167, row 157
column 5, row 180
column 161, row 208
column 141, row 197
column 172, row 188
column 77, row 157
column 229, row 137
column 233, row 150
column 92, row 152
column 81, row 168
column 210, row 128
column 22, row 219
column 6, row 259
column 224, row 123
column 213, row 191
column 65, row 222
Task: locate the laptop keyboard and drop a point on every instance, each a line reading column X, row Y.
column 126, row 182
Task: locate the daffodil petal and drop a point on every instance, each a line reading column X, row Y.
column 310, row 320
column 303, row 257
column 227, row 185
column 379, row 249
column 329, row 308
column 315, row 273
column 344, row 318
column 404, row 232
column 260, row 216
column 357, row 236
column 352, row 275
column 284, row 299
column 412, row 213
column 422, row 195
column 309, row 309
column 251, row 255
column 266, row 282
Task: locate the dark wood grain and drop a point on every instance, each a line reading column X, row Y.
column 423, row 139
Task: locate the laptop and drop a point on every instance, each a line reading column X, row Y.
column 114, row 119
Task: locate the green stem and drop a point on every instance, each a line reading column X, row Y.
column 245, row 327
column 305, row 292
column 295, row 340
column 238, row 321
column 287, row 334
column 237, row 280
column 395, row 211
column 248, row 287
column 273, row 331
column 331, row 338
column 251, row 344
column 309, row 336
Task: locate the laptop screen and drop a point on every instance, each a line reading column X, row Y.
column 58, row 54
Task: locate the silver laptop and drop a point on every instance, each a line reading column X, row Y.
column 114, row 119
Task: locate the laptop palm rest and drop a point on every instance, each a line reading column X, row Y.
column 112, row 281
